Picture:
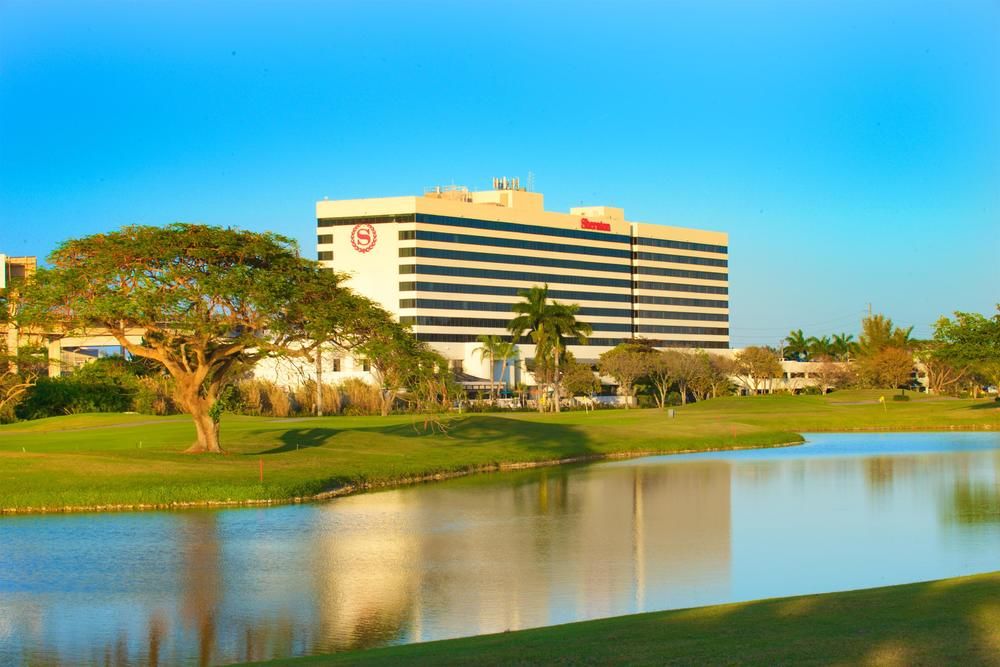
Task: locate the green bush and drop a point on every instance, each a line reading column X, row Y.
column 155, row 396
column 900, row 397
column 96, row 391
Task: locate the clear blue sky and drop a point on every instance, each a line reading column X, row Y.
column 850, row 149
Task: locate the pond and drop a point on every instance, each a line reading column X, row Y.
column 497, row 552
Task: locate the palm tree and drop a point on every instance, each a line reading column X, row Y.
column 489, row 348
column 565, row 325
column 819, row 347
column 506, row 352
column 843, row 346
column 547, row 323
column 797, row 346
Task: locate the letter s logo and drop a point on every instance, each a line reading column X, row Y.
column 363, row 237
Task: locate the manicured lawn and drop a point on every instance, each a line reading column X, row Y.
column 948, row 622
column 99, row 460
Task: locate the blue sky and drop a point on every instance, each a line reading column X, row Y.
column 850, row 149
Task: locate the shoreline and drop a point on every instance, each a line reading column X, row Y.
column 354, row 489
column 937, row 621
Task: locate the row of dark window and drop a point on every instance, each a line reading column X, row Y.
column 497, row 226
column 678, row 315
column 324, row 255
column 446, row 304
column 682, row 245
column 540, row 278
column 680, row 259
column 487, row 323
column 521, row 244
column 576, row 296
column 602, row 342
column 367, row 220
column 680, row 273
column 680, row 301
column 470, row 256
column 496, row 290
column 680, row 287
column 702, row 331
column 324, row 238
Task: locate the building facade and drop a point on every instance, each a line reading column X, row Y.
column 451, row 263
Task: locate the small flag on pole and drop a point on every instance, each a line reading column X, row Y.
column 881, row 399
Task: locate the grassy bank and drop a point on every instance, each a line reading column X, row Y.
column 948, row 622
column 101, row 461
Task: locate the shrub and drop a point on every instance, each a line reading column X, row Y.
column 279, row 402
column 105, row 385
column 304, row 398
column 155, row 396
column 250, row 398
column 900, row 397
column 359, row 397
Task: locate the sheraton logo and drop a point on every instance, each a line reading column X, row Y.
column 363, row 237
column 593, row 224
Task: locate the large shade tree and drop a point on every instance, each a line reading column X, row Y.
column 207, row 302
column 627, row 363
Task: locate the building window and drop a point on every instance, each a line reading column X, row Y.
column 366, row 365
column 439, row 253
column 682, row 245
column 324, row 255
column 545, row 246
column 370, row 220
column 407, row 234
column 680, row 287
column 680, row 301
column 496, row 226
column 456, row 288
column 679, row 259
column 488, row 323
column 671, row 315
column 336, row 364
column 677, row 273
column 407, row 252
column 324, row 238
column 456, row 365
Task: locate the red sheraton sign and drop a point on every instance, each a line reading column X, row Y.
column 593, row 224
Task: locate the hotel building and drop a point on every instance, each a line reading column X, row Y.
column 451, row 263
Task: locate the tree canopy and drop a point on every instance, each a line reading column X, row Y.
column 208, row 303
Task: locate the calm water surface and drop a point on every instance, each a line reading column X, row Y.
column 498, row 552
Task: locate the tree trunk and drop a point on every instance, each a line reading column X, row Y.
column 206, row 428
column 493, row 383
column 555, row 386
column 319, row 382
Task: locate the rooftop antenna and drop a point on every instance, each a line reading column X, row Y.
column 531, row 181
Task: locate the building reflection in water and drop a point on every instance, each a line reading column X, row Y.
column 471, row 558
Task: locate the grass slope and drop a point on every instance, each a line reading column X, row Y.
column 947, row 622
column 102, row 460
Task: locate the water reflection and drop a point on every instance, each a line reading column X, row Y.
column 492, row 553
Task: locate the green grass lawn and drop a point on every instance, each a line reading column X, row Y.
column 108, row 459
column 947, row 622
